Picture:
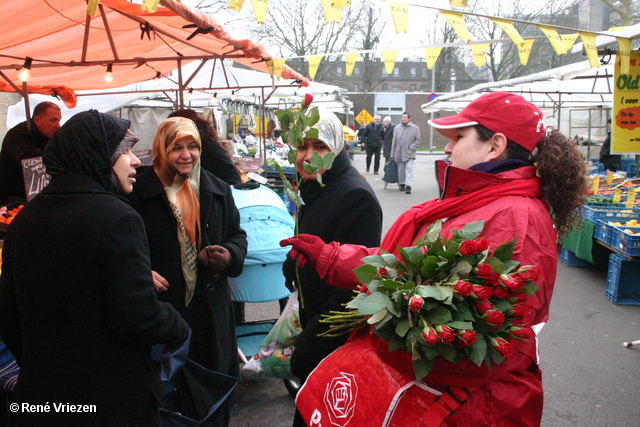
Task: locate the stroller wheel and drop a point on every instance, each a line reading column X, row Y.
column 292, row 385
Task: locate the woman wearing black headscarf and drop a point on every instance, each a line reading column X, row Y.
column 77, row 300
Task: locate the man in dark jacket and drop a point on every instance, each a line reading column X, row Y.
column 610, row 161
column 372, row 136
column 387, row 137
column 24, row 141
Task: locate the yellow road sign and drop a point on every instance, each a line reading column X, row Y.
column 364, row 117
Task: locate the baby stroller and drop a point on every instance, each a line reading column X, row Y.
column 390, row 173
column 266, row 219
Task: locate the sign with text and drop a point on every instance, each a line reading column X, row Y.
column 35, row 176
column 625, row 123
column 364, row 117
column 144, row 156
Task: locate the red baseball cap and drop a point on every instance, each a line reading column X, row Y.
column 512, row 115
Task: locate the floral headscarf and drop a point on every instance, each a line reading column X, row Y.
column 182, row 191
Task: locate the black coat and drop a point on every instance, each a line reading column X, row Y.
column 388, row 139
column 346, row 210
column 372, row 135
column 209, row 314
column 78, row 307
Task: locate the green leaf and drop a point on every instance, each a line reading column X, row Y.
column 509, row 266
column 388, row 258
column 447, row 292
column 389, row 285
column 501, row 305
column 447, row 351
column 395, row 343
column 291, row 157
column 373, row 303
column 431, row 235
column 327, row 160
column 410, row 256
column 478, row 350
column 439, row 316
column 402, row 327
column 295, row 198
column 421, row 368
column 393, row 308
column 377, row 317
column 314, row 117
column 373, row 285
column 355, row 303
column 303, row 120
column 530, row 288
column 472, row 230
column 495, row 264
column 429, row 266
column 460, row 325
column 504, row 252
column 312, row 133
column 427, row 291
column 365, row 273
column 375, row 260
column 463, row 268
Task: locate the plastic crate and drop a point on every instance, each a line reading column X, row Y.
column 593, row 213
column 625, row 242
column 569, row 259
column 623, row 280
column 604, row 228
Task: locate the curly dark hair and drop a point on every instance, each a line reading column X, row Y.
column 204, row 127
column 563, row 176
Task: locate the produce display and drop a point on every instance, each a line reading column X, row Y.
column 7, row 213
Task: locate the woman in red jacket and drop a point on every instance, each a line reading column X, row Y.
column 506, row 170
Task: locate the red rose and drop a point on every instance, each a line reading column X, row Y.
column 512, row 284
column 468, row 248
column 463, row 288
column 466, row 338
column 494, row 319
column 523, row 333
column 308, row 98
column 383, row 271
column 415, row 303
column 484, row 270
column 483, row 306
column 502, row 347
column 531, row 274
column 483, row 244
column 520, row 311
column 499, row 292
column 481, row 292
column 519, row 298
column 430, row 336
column 445, row 333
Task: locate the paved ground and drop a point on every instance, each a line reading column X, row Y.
column 589, row 378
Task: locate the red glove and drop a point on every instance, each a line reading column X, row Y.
column 306, row 248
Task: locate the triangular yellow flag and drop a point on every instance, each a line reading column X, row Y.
column 331, row 14
column 92, row 6
column 236, row 5
column 314, row 62
column 275, row 66
column 260, row 10
column 432, row 56
column 568, row 40
column 457, row 22
column 458, row 3
column 351, row 59
column 508, row 29
column 400, row 14
column 524, row 50
column 554, row 39
column 479, row 53
column 339, row 4
column 589, row 43
column 150, row 5
column 624, row 53
column 390, row 60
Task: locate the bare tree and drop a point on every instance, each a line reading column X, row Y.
column 627, row 10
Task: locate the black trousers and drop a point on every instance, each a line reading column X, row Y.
column 370, row 152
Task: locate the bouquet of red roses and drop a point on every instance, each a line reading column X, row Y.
column 452, row 298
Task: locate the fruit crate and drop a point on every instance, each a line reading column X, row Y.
column 625, row 242
column 570, row 259
column 623, row 280
column 593, row 213
column 603, row 229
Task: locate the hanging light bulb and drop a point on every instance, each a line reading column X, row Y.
column 214, row 99
column 156, row 79
column 189, row 95
column 233, row 95
column 25, row 71
column 108, row 77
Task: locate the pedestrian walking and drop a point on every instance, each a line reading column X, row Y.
column 406, row 140
column 372, row 135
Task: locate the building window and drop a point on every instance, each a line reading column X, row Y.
column 424, row 72
column 413, row 72
column 423, row 88
column 396, row 72
column 412, row 87
column 396, row 87
column 385, row 87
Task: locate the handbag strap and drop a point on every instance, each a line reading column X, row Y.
column 446, row 405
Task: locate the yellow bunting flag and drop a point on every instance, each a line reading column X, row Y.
column 150, row 5
column 631, row 198
column 314, row 62
column 589, row 42
column 92, row 6
column 568, row 40
column 339, row 4
column 457, row 22
column 458, row 3
column 400, row 14
column 275, row 66
column 617, row 195
column 260, row 10
column 624, row 54
column 554, row 39
column 609, row 177
column 432, row 56
column 351, row 59
column 480, row 53
column 509, row 30
column 524, row 50
column 331, row 14
column 390, row 60
column 595, row 185
column 236, row 5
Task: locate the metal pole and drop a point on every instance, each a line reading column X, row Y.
column 433, row 90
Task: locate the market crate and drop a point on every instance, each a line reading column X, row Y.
column 623, row 280
column 625, row 242
column 570, row 259
column 593, row 213
column 604, row 227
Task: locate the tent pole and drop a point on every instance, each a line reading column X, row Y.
column 264, row 131
column 27, row 107
column 180, row 86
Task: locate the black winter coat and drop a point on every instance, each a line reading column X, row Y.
column 388, row 140
column 372, row 135
column 346, row 210
column 78, row 308
column 210, row 313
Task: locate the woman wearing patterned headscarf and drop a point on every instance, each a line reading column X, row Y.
column 78, row 304
column 195, row 239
